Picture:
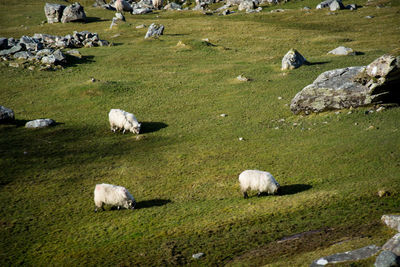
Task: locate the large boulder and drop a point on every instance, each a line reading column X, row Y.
column 292, row 60
column 336, row 5
column 73, row 12
column 246, row 5
column 351, row 87
column 393, row 221
column 6, row 114
column 53, row 12
column 387, row 259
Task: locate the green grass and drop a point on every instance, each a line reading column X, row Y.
column 184, row 170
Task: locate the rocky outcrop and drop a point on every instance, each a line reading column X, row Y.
column 351, row 87
column 6, row 114
column 292, row 60
column 73, row 12
column 53, row 12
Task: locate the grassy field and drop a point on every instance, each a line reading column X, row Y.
column 183, row 171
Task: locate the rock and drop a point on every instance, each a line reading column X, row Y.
column 242, row 78
column 40, row 123
column 277, row 10
column 3, row 43
column 14, row 64
column 342, row 51
column 246, row 5
column 23, row 55
column 53, row 12
column 387, row 259
column 393, row 244
column 325, row 4
column 336, row 5
column 351, row 87
column 6, row 114
column 154, row 30
column 50, row 59
column 223, row 115
column 59, row 56
column 142, row 26
column 140, row 11
column 74, row 53
column 393, row 221
column 240, row 138
column 354, row 255
column 73, row 12
column 114, row 22
column 120, row 16
column 30, row 43
column 369, row 17
column 44, row 52
column 173, row 6
column 292, row 60
column 351, row 7
column 14, row 49
column 198, row 255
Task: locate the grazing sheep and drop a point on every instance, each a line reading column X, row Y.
column 258, row 180
column 126, row 121
column 113, row 195
column 157, row 3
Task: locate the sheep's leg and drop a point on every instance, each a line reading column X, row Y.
column 123, row 131
column 245, row 194
column 118, row 207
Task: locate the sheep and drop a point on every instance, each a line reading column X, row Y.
column 113, row 195
column 157, row 4
column 120, row 119
column 258, row 180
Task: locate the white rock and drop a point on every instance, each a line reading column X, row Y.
column 40, row 123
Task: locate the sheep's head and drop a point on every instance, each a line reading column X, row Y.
column 136, row 129
column 132, row 204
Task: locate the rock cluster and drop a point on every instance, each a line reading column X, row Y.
column 45, row 49
column 60, row 13
column 351, row 87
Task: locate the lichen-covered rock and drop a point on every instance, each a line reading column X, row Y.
column 336, row 5
column 393, row 221
column 292, row 60
column 351, row 87
column 53, row 12
column 40, row 123
column 342, row 51
column 6, row 114
column 393, row 244
column 154, row 30
column 73, row 12
column 387, row 259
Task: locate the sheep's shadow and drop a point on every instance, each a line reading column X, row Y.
column 149, row 127
column 317, row 63
column 151, row 203
column 294, row 189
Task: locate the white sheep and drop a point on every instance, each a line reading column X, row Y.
column 258, row 180
column 157, row 3
column 120, row 119
column 113, row 195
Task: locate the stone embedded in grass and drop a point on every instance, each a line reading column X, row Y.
column 40, row 123
column 141, row 26
column 53, row 12
column 198, row 255
column 383, row 193
column 172, row 6
column 336, row 5
column 242, row 78
column 292, row 60
column 223, row 115
column 6, row 114
column 72, row 13
column 246, row 5
column 387, row 259
column 393, row 244
column 326, row 3
column 342, row 51
column 154, row 30
column 74, row 53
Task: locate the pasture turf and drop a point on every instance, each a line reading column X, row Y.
column 184, row 169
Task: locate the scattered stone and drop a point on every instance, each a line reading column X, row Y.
column 23, row 55
column 72, row 13
column 40, row 123
column 387, row 259
column 14, row 64
column 279, row 98
column 351, row 7
column 74, row 53
column 356, row 123
column 198, row 255
column 173, row 6
column 354, row 255
column 351, row 87
column 141, row 26
column 240, row 138
column 325, row 4
column 276, row 128
column 383, row 193
column 342, row 51
column 246, row 5
column 369, row 17
column 393, row 244
column 181, row 44
column 393, row 221
column 31, row 68
column 277, row 10
column 53, row 12
column 154, row 30
column 292, row 60
column 227, row 12
column 306, row 8
column 381, row 108
column 242, row 78
column 371, row 127
column 6, row 114
column 223, row 115
column 119, row 16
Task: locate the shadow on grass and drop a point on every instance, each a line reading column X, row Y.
column 152, row 203
column 74, row 61
column 94, row 19
column 294, row 189
column 316, row 63
column 149, row 127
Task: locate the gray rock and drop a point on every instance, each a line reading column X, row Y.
column 351, row 7
column 23, row 55
column 74, row 53
column 342, row 51
column 393, row 221
column 53, row 12
column 44, row 52
column 387, row 259
column 393, row 244
column 14, row 49
column 119, row 16
column 59, row 56
column 154, row 30
column 6, row 114
column 198, row 255
column 336, row 5
column 114, row 22
column 325, row 4
column 50, row 59
column 140, row 11
column 173, row 6
column 73, row 12
column 246, row 5
column 3, row 43
column 292, row 60
column 40, row 123
column 103, row 43
column 351, row 87
column 354, row 255
column 30, row 43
